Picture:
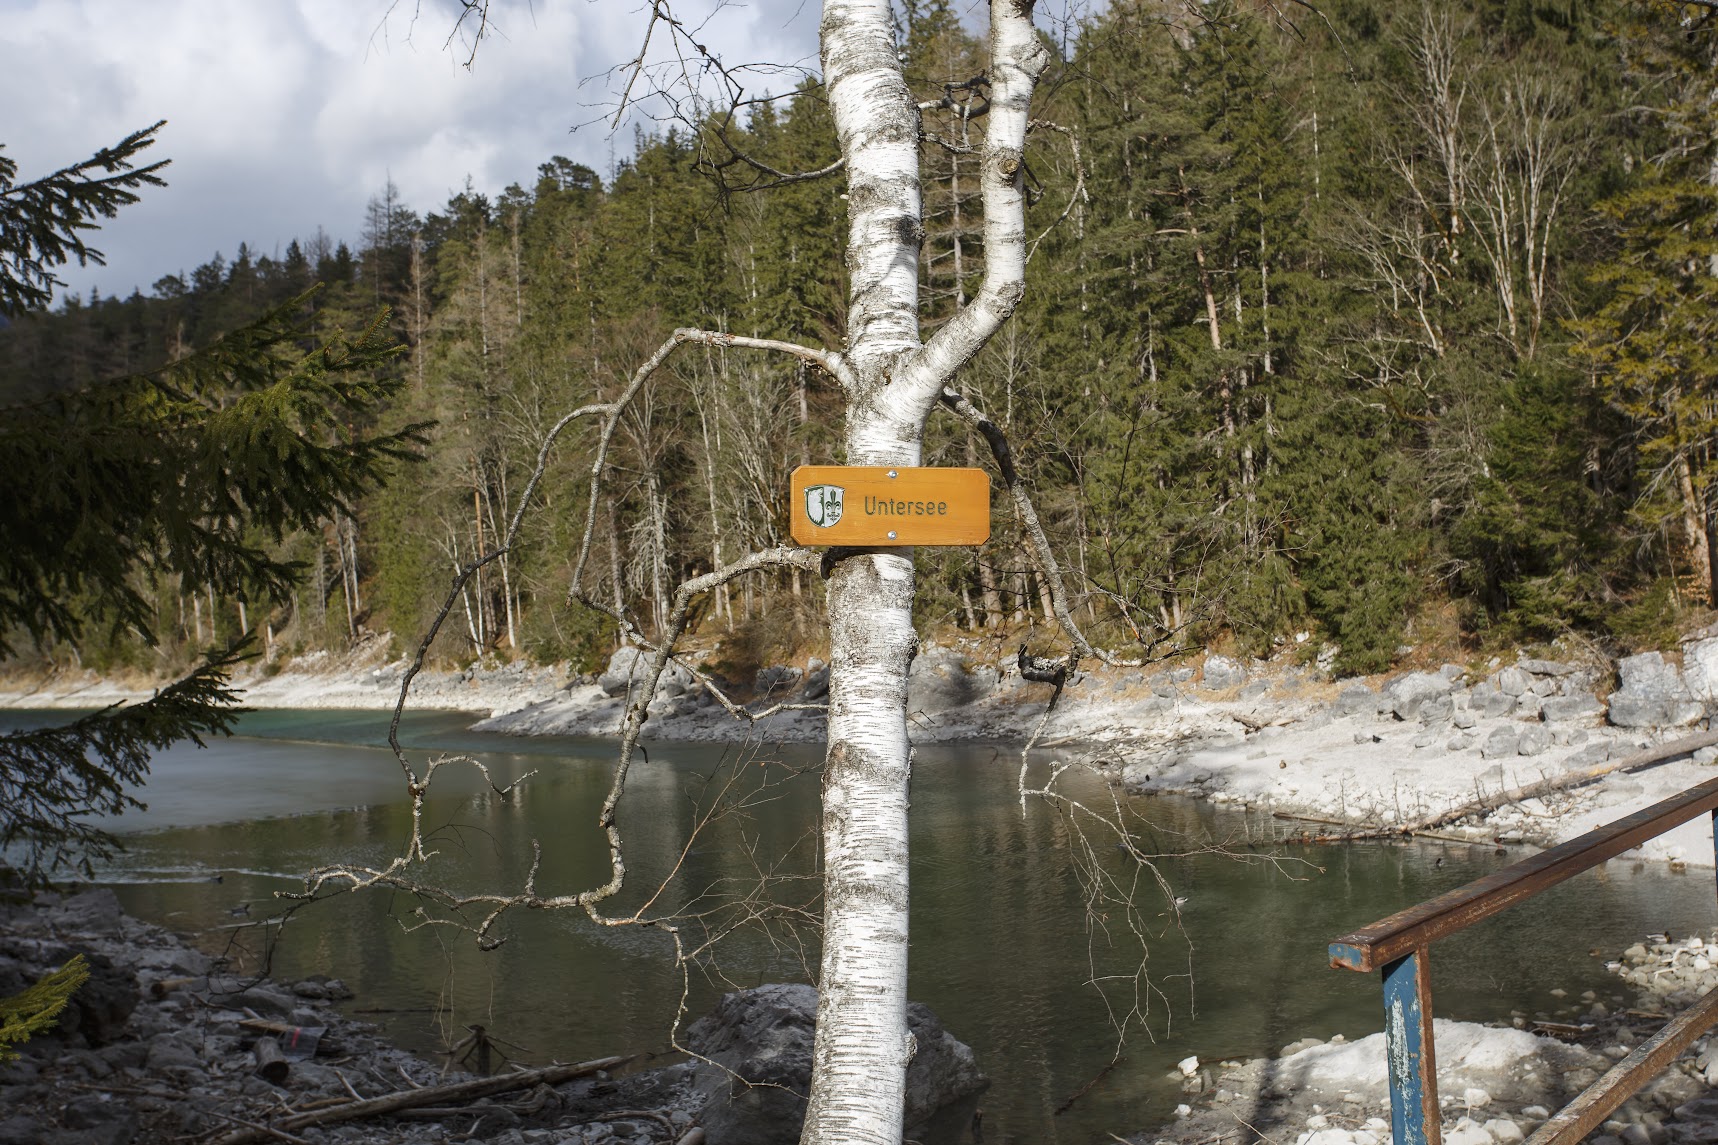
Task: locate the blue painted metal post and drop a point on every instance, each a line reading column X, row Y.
column 1715, row 836
column 1414, row 1116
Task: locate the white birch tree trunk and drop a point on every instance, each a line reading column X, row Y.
column 863, row 1044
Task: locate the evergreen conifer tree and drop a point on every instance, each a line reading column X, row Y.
column 189, row 473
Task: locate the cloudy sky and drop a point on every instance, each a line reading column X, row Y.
column 286, row 115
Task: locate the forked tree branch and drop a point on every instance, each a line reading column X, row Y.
column 395, row 873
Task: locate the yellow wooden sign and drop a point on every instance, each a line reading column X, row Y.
column 875, row 505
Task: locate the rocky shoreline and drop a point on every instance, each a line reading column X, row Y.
column 1496, row 1085
column 1279, row 736
column 163, row 1044
column 166, row 1043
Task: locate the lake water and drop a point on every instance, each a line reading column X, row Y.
column 1002, row 946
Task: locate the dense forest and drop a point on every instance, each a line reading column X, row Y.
column 1390, row 323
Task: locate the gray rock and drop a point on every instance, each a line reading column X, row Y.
column 1495, row 704
column 1532, row 739
column 1700, row 669
column 629, row 667
column 1513, row 681
column 1652, row 694
column 1222, row 672
column 1417, row 684
column 94, row 913
column 1462, row 742
column 1463, row 719
column 1437, row 709
column 100, row 1122
column 22, row 1131
column 777, row 679
column 1502, row 741
column 1180, row 675
column 764, row 1035
column 100, row 1008
column 125, row 1055
column 265, row 999
column 1651, row 674
column 1546, row 667
column 1633, row 710
column 1356, row 699
column 1256, row 689
column 168, row 1052
column 1164, row 687
column 1527, row 706
column 1569, row 709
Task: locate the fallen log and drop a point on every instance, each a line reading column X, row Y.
column 1486, row 804
column 452, row 1093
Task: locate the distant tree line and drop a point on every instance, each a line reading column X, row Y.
column 1393, row 322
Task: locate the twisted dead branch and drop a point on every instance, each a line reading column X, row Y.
column 495, row 905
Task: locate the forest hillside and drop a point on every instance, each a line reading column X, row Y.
column 1391, row 324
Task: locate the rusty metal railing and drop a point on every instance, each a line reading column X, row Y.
column 1398, row 948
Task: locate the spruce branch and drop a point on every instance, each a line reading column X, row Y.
column 41, row 222
column 55, row 782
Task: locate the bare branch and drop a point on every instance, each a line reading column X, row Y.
column 1077, row 195
column 777, row 177
column 1037, row 543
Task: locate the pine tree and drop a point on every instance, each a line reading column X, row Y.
column 1651, row 343
column 188, row 474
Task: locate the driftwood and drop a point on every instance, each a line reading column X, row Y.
column 1486, row 804
column 458, row 1091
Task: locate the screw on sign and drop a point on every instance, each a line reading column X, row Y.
column 876, row 505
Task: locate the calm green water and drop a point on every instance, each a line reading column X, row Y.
column 1002, row 947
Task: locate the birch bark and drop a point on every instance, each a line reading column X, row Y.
column 862, row 1044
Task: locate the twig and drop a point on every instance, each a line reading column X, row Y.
column 265, row 1130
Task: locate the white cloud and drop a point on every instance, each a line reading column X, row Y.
column 286, row 115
